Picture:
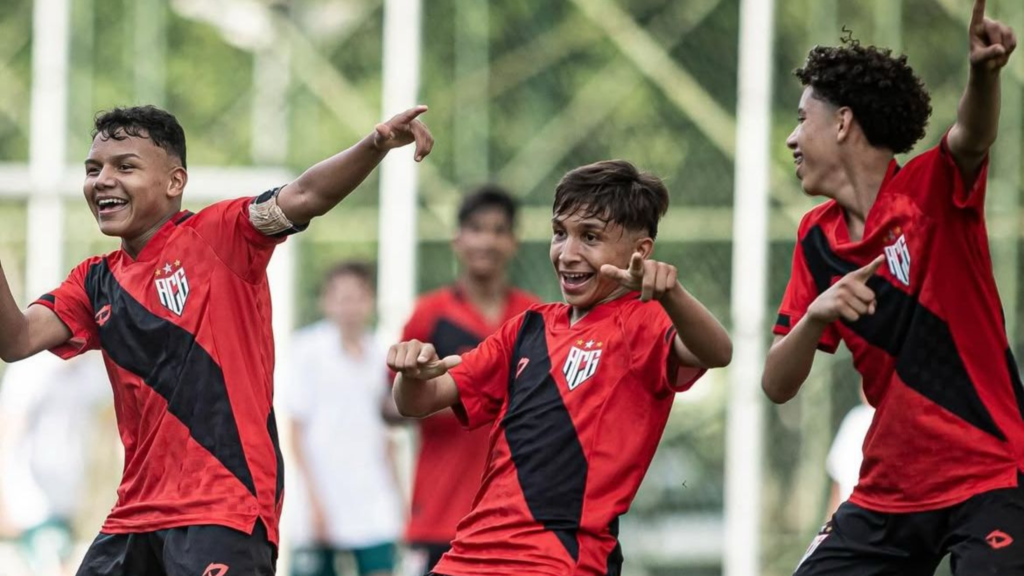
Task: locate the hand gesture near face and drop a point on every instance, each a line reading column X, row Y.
column 419, row 361
column 404, row 129
column 652, row 278
column 991, row 41
column 849, row 298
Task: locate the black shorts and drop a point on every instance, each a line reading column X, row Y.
column 188, row 551
column 983, row 535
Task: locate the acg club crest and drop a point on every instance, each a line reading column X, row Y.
column 582, row 362
column 897, row 256
column 172, row 286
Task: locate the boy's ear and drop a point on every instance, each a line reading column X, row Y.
column 176, row 182
column 645, row 246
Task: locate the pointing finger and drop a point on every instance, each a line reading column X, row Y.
column 636, row 265
column 868, row 271
column 978, row 15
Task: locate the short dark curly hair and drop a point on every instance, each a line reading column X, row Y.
column 160, row 126
column 889, row 101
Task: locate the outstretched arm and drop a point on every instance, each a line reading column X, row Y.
column 23, row 334
column 977, row 123
column 325, row 184
column 701, row 341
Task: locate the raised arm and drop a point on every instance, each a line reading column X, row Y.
column 321, row 187
column 977, row 122
column 422, row 384
column 25, row 333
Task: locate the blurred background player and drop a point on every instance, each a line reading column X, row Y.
column 847, row 452
column 344, row 495
column 456, row 318
column 49, row 414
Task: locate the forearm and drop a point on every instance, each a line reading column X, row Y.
column 421, row 398
column 977, row 119
column 699, row 331
column 13, row 325
column 790, row 359
column 321, row 187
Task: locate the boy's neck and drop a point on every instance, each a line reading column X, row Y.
column 577, row 313
column 486, row 294
column 351, row 339
column 134, row 246
column 859, row 181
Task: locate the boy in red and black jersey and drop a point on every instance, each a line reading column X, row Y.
column 896, row 265
column 455, row 319
column 181, row 313
column 575, row 395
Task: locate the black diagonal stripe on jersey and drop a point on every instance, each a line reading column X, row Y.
column 927, row 359
column 449, row 338
column 278, row 456
column 613, row 567
column 542, row 439
column 168, row 359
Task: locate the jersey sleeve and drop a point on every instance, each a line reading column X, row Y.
column 652, row 352
column 482, row 377
column 71, row 303
column 227, row 227
column 938, row 183
column 800, row 293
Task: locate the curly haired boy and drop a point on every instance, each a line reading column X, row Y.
column 896, row 264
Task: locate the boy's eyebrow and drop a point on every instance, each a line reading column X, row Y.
column 592, row 223
column 117, row 158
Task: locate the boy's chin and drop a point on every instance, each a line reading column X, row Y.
column 112, row 230
column 581, row 301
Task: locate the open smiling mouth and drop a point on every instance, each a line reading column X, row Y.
column 575, row 280
column 109, row 205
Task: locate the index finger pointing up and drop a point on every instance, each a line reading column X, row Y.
column 636, row 265
column 978, row 15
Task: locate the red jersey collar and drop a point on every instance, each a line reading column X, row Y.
column 153, row 248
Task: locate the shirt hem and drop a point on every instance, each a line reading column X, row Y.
column 245, row 524
column 910, row 507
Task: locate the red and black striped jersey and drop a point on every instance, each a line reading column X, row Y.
column 185, row 331
column 451, row 459
column 575, row 413
column 934, row 357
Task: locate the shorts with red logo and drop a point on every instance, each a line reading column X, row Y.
column 187, row 551
column 983, row 535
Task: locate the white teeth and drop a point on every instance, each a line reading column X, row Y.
column 108, row 202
